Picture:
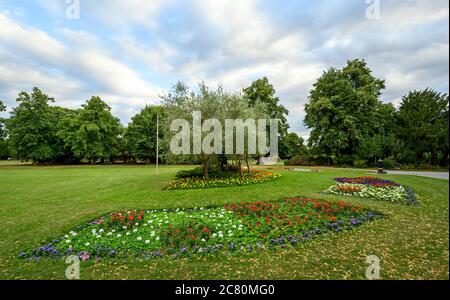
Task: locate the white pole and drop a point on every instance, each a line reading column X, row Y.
column 157, row 145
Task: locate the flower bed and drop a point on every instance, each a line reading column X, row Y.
column 374, row 188
column 235, row 227
column 257, row 176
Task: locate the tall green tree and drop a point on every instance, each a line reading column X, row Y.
column 262, row 91
column 293, row 145
column 341, row 109
column 2, row 121
column 4, row 149
column 181, row 103
column 140, row 135
column 30, row 127
column 93, row 133
column 423, row 118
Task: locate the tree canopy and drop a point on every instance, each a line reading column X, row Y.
column 341, row 108
column 423, row 118
column 93, row 132
column 30, row 127
column 140, row 136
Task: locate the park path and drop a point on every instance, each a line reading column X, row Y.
column 439, row 175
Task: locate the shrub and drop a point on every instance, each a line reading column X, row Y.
column 389, row 163
column 299, row 160
column 198, row 173
column 360, row 164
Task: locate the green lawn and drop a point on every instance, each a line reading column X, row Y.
column 40, row 203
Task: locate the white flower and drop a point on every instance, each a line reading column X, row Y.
column 94, row 231
column 128, row 233
column 124, row 227
column 101, row 230
column 66, row 236
column 68, row 241
column 203, row 240
column 98, row 236
column 150, row 222
column 145, row 225
column 113, row 231
column 139, row 238
column 87, row 244
column 119, row 235
column 157, row 238
column 152, row 233
column 214, row 235
column 137, row 224
column 109, row 233
column 147, row 242
column 135, row 230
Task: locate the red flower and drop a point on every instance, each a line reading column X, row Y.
column 257, row 224
column 205, row 229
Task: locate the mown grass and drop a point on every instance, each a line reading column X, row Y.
column 40, row 203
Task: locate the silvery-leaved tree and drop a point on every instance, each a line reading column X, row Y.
column 186, row 110
column 197, row 122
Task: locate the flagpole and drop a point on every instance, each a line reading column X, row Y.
column 157, row 145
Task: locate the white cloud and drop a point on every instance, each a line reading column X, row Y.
column 74, row 71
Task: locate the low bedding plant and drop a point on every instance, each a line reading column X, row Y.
column 181, row 233
column 256, row 176
column 374, row 188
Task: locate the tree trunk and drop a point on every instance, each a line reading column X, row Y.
column 249, row 171
column 239, row 162
column 205, row 170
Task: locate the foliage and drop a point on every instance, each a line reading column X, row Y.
column 300, row 160
column 257, row 176
column 212, row 104
column 340, row 107
column 236, row 227
column 423, row 126
column 292, row 145
column 198, row 172
column 2, row 121
column 360, row 163
column 31, row 127
column 140, row 135
column 261, row 91
column 4, row 148
column 93, row 132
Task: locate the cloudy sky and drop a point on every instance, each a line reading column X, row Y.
column 131, row 51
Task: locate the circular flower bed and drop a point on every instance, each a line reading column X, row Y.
column 374, row 188
column 235, row 227
column 257, row 176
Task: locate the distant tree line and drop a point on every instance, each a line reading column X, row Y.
column 349, row 125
